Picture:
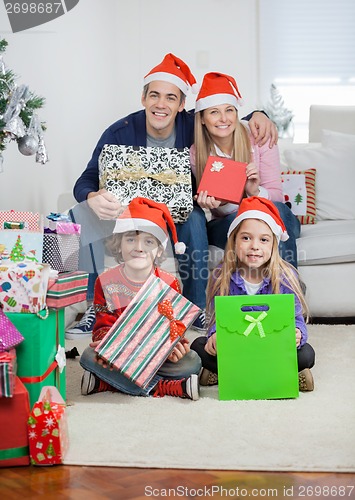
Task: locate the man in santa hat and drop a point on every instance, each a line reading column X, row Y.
column 163, row 122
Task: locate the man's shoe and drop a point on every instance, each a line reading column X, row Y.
column 200, row 322
column 84, row 327
column 208, row 378
column 305, row 380
column 186, row 388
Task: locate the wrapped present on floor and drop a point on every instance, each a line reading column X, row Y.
column 21, row 237
column 67, row 289
column 7, row 373
column 160, row 174
column 61, row 251
column 48, row 429
column 23, row 286
column 145, row 334
column 41, row 356
column 9, row 335
column 14, row 414
column 256, row 339
column 62, row 224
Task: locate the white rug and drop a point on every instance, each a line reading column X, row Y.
column 315, row 432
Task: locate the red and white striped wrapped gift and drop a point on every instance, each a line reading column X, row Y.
column 143, row 337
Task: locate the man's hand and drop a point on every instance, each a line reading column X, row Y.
column 211, row 346
column 179, row 351
column 104, row 204
column 263, row 129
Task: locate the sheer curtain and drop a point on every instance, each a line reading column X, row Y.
column 307, row 50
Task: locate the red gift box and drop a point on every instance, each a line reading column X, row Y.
column 47, row 428
column 69, row 288
column 144, row 335
column 224, row 179
column 7, row 373
column 13, row 427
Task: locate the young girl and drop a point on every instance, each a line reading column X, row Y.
column 138, row 243
column 252, row 265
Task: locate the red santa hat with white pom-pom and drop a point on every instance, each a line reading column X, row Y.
column 256, row 207
column 151, row 217
column 217, row 89
column 173, row 70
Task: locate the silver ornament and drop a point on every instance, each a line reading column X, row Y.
column 28, row 145
column 41, row 155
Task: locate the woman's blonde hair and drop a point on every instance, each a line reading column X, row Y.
column 277, row 270
column 205, row 146
column 113, row 245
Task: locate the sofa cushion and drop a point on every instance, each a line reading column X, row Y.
column 335, row 178
column 327, row 242
column 299, row 189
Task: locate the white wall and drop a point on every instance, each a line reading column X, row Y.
column 89, row 65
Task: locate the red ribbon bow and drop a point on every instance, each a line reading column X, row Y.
column 177, row 327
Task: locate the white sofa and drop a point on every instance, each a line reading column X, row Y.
column 326, row 250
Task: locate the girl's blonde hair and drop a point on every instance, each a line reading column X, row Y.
column 277, row 270
column 113, row 245
column 205, row 146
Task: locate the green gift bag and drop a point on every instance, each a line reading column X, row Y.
column 256, row 350
column 41, row 356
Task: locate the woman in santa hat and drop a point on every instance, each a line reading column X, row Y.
column 140, row 238
column 252, row 266
column 219, row 132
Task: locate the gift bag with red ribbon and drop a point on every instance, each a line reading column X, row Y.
column 48, row 428
column 147, row 331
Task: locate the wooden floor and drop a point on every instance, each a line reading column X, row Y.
column 96, row 483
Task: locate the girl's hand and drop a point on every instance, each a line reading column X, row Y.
column 206, row 201
column 210, row 346
column 253, row 180
column 179, row 351
column 298, row 337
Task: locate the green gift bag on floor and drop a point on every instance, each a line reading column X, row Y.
column 256, row 350
column 41, row 356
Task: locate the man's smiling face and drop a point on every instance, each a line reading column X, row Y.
column 162, row 103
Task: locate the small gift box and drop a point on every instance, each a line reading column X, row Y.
column 256, row 341
column 23, row 287
column 61, row 251
column 67, row 289
column 7, row 373
column 48, row 428
column 160, row 174
column 145, row 334
column 13, row 424
column 224, row 179
column 41, row 356
column 62, row 224
column 9, row 335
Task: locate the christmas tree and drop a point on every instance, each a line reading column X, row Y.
column 18, row 118
column 50, row 452
column 278, row 113
column 17, row 253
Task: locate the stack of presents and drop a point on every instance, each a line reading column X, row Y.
column 39, row 277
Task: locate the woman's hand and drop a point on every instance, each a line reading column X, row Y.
column 179, row 351
column 210, row 346
column 206, row 201
column 253, row 180
column 298, row 337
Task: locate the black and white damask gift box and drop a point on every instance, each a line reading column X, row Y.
column 160, row 174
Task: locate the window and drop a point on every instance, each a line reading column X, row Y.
column 307, row 50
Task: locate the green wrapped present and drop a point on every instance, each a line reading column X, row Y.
column 256, row 350
column 41, row 356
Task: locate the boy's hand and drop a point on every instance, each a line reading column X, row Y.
column 99, row 360
column 211, row 347
column 179, row 351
